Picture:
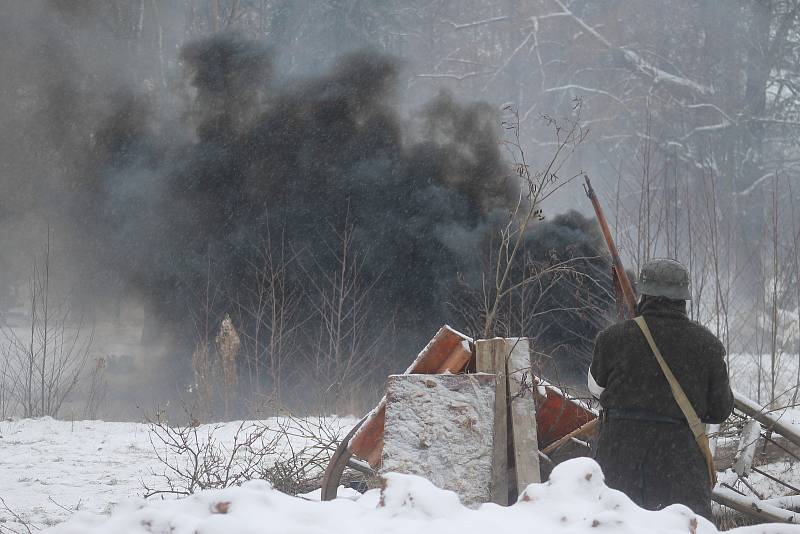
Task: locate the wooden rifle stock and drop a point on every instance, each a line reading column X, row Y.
column 621, row 277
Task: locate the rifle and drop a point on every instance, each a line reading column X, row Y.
column 624, row 289
column 626, row 301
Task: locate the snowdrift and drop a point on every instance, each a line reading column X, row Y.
column 574, row 501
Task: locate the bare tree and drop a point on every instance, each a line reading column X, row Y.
column 203, row 361
column 47, row 362
column 795, row 259
column 537, row 186
column 343, row 350
column 96, row 390
column 8, row 382
column 269, row 312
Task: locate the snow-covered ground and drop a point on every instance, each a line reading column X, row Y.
column 49, row 469
column 87, row 477
column 575, row 501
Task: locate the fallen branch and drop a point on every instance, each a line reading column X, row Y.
column 759, row 509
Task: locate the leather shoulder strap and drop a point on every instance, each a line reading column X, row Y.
column 683, row 402
column 697, row 427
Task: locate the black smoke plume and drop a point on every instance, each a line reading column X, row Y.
column 297, row 158
column 256, row 156
column 177, row 196
column 579, row 304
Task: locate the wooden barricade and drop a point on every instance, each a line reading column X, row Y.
column 529, row 414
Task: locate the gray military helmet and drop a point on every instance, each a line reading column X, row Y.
column 663, row 277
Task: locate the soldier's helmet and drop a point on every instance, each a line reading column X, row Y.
column 663, row 277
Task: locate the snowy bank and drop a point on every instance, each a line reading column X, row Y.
column 574, row 501
column 50, row 469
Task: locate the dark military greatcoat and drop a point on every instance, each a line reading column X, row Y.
column 645, row 446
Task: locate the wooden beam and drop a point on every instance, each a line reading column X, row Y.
column 759, row 509
column 522, row 411
column 770, row 422
column 581, row 432
column 490, row 357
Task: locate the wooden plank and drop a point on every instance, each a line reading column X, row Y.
column 368, row 443
column 448, row 351
column 522, row 411
column 490, row 357
column 557, row 415
column 580, row 433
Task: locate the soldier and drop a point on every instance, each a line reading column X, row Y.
column 645, row 445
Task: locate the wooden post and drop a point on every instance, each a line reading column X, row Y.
column 522, row 410
column 490, row 357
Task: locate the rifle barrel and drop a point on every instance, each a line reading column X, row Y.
column 628, row 296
